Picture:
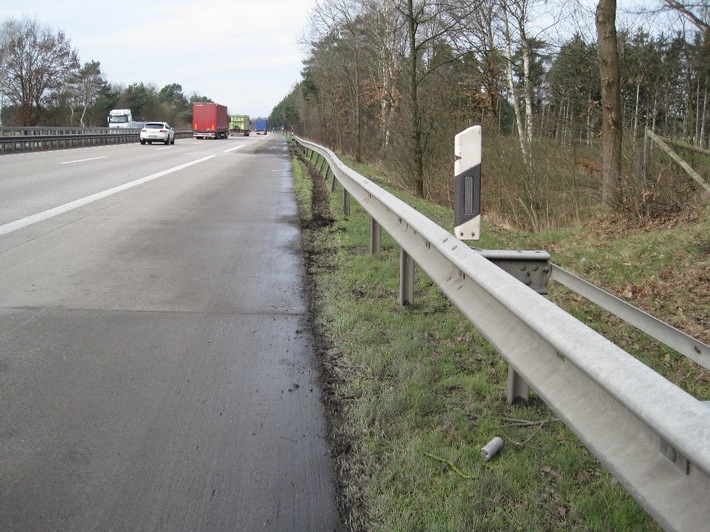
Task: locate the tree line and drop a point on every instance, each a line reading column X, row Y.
column 391, row 81
column 42, row 82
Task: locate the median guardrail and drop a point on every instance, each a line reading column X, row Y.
column 16, row 139
column 651, row 435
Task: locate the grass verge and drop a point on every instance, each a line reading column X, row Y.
column 413, row 393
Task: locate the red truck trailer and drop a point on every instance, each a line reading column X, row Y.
column 209, row 120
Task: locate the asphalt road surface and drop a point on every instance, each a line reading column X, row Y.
column 156, row 364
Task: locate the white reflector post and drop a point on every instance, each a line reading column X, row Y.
column 467, row 171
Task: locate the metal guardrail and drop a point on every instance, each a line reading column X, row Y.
column 670, row 336
column 17, row 139
column 651, row 435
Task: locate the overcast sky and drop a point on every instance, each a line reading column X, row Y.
column 241, row 53
column 244, row 54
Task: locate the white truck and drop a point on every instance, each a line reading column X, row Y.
column 120, row 118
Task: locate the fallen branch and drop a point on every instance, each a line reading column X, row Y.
column 520, row 445
column 673, row 155
column 525, row 422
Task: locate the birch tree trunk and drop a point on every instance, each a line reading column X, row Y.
column 527, row 87
column 698, row 139
column 704, row 120
column 524, row 148
column 590, row 124
column 636, row 110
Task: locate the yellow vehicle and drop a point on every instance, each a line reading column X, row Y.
column 240, row 124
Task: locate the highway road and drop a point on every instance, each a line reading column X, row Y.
column 156, row 364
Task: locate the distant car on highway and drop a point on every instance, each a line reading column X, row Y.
column 157, row 131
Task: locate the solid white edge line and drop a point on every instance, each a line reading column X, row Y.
column 61, row 209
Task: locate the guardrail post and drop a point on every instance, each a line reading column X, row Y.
column 406, row 278
column 517, row 387
column 334, row 184
column 346, row 202
column 375, row 237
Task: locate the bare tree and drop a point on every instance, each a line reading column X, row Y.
column 517, row 11
column 343, row 17
column 697, row 12
column 427, row 22
column 386, row 41
column 480, row 36
column 325, row 91
column 611, row 101
column 86, row 87
column 37, row 63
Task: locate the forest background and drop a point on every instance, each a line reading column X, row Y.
column 390, row 83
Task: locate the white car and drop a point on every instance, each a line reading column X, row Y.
column 157, row 131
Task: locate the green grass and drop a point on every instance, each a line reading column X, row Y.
column 415, row 392
column 303, row 191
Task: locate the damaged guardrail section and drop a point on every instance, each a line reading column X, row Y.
column 651, row 435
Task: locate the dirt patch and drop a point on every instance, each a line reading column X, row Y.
column 333, row 370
